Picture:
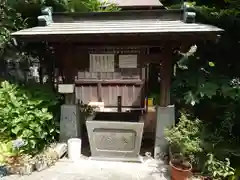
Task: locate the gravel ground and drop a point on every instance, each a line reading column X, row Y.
column 96, row 170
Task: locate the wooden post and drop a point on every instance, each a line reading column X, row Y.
column 99, row 92
column 70, row 126
column 146, row 87
column 68, row 64
column 165, row 82
column 119, row 103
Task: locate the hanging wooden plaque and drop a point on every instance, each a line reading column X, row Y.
column 128, row 61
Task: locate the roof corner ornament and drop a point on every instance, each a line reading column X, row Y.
column 46, row 18
column 188, row 12
column 14, row 41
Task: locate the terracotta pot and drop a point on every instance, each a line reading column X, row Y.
column 180, row 174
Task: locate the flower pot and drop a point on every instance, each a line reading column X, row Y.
column 180, row 171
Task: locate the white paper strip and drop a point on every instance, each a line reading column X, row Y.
column 101, row 63
column 127, row 61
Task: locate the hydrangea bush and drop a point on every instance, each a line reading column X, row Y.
column 26, row 116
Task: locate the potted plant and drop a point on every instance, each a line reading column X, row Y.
column 180, row 167
column 87, row 111
column 184, row 144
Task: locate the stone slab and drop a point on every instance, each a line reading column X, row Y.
column 69, row 123
column 97, row 170
column 127, row 159
column 165, row 119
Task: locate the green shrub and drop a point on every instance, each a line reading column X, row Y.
column 27, row 114
column 219, row 169
column 186, row 135
column 194, row 140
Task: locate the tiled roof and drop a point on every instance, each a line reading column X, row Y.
column 91, row 27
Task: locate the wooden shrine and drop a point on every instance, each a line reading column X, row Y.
column 105, row 57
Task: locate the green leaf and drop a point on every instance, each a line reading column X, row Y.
column 16, row 130
column 44, row 110
column 208, row 89
column 48, row 116
column 190, row 98
column 211, row 64
column 26, row 133
column 32, row 143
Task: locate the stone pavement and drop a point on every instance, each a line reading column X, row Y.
column 85, row 169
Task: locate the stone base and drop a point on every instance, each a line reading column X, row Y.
column 165, row 119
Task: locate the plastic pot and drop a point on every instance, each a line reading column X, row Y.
column 178, row 173
column 74, row 148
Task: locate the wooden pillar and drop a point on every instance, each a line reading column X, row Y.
column 165, row 112
column 68, row 71
column 67, row 61
column 70, row 126
column 165, row 80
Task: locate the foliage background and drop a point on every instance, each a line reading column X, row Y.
column 207, row 84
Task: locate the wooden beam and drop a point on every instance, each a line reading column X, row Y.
column 99, row 91
column 114, row 81
column 120, row 38
column 151, row 58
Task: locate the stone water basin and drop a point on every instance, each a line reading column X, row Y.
column 115, row 136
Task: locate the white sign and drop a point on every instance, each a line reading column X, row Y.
column 101, row 62
column 127, row 61
column 66, row 88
